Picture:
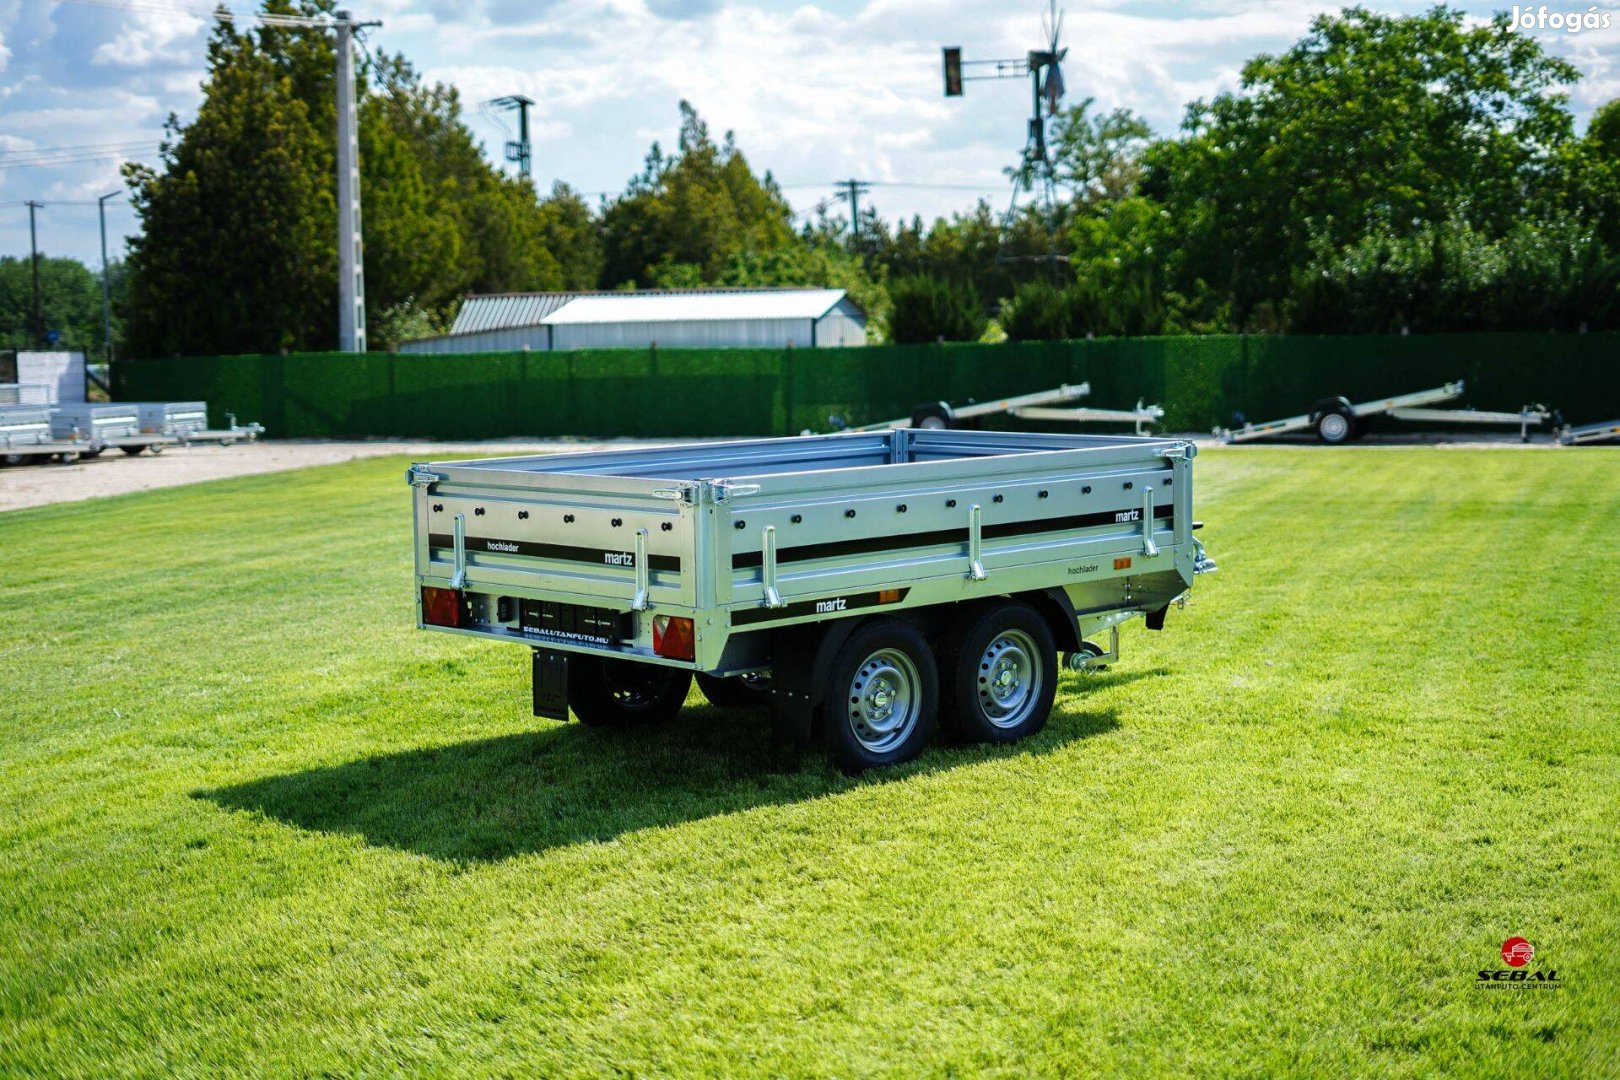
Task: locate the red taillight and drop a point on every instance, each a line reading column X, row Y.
column 674, row 637
column 442, row 607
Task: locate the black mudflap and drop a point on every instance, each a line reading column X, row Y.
column 551, row 684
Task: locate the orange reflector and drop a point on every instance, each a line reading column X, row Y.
column 1122, row 564
column 441, row 607
column 889, row 596
column 674, row 637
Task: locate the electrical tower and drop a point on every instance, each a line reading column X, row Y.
column 33, row 258
column 351, row 251
column 518, row 150
column 853, row 190
column 1035, row 171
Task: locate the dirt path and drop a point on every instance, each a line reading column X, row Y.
column 115, row 474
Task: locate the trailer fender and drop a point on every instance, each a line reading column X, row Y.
column 1332, row 404
column 801, row 657
column 1057, row 609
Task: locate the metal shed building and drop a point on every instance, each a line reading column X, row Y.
column 806, row 318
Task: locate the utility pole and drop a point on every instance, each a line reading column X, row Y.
column 851, row 190
column 33, row 258
column 520, row 150
column 106, row 289
column 351, row 254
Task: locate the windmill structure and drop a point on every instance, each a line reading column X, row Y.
column 1035, row 173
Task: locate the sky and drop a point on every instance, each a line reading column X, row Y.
column 815, row 92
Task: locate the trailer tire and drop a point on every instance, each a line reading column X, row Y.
column 1336, row 425
column 882, row 701
column 736, row 691
column 68, row 458
column 606, row 692
column 1000, row 673
column 132, row 451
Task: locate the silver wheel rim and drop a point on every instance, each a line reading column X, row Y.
column 884, row 700
column 1334, row 427
column 1010, row 678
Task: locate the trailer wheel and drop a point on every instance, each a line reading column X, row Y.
column 619, row 693
column 1336, row 425
column 737, row 691
column 132, row 451
column 67, row 458
column 1001, row 672
column 882, row 696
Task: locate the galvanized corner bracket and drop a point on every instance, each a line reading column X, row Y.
column 417, row 476
column 639, row 602
column 767, row 540
column 976, row 569
column 1148, row 546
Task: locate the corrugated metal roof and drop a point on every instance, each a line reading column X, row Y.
column 719, row 305
column 506, row 309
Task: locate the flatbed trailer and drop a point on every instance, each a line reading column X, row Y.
column 1607, row 431
column 25, row 432
column 96, row 427
column 1336, row 420
column 187, row 423
column 862, row 585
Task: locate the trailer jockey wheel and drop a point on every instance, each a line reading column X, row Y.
column 619, row 693
column 1336, row 425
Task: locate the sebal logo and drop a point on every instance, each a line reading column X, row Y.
column 1517, row 954
column 619, row 558
column 823, row 606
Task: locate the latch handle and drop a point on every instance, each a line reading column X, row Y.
column 976, row 569
column 638, row 602
column 1148, row 546
column 773, row 597
column 458, row 580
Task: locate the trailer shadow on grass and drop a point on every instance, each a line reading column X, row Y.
column 493, row 799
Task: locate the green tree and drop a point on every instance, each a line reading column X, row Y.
column 1370, row 125
column 700, row 207
column 927, row 309
column 1099, row 157
column 238, row 251
column 69, row 303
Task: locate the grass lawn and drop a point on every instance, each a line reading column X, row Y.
column 252, row 821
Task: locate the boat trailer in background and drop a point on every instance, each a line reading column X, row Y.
column 1608, row 431
column 1336, row 420
column 939, row 415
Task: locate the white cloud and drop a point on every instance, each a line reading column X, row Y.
column 148, row 38
column 5, row 53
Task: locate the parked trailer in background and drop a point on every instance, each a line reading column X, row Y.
column 1337, row 421
column 98, row 427
column 187, row 421
column 25, row 432
column 861, row 585
column 1608, row 431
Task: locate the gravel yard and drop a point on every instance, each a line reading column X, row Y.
column 117, row 474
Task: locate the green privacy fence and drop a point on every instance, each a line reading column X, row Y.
column 1201, row 382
